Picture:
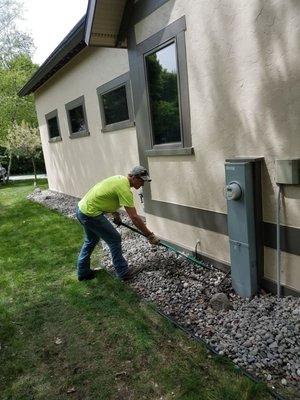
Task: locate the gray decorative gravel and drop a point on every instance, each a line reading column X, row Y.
column 261, row 335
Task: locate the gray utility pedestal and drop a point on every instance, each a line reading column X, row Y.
column 239, row 192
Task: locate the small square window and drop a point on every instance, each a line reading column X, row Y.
column 77, row 120
column 53, row 126
column 116, row 104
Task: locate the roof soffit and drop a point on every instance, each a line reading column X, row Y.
column 104, row 18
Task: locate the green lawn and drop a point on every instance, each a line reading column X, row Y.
column 61, row 339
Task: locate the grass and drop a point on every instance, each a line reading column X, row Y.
column 61, row 339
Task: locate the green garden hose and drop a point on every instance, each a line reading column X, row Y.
column 194, row 260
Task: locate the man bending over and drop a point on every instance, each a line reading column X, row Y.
column 108, row 196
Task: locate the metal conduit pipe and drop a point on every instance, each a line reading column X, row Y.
column 278, row 249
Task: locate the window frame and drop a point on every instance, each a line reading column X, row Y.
column 122, row 80
column 48, row 116
column 173, row 33
column 70, row 106
column 170, row 145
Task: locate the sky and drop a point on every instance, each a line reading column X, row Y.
column 49, row 21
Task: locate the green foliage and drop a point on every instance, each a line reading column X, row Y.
column 24, row 140
column 13, row 42
column 14, row 109
column 16, row 68
column 163, row 92
column 21, row 165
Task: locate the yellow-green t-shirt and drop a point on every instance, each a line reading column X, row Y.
column 107, row 196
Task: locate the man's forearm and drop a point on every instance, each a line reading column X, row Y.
column 139, row 223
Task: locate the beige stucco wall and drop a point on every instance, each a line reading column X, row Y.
column 74, row 165
column 242, row 62
column 186, row 236
column 243, row 71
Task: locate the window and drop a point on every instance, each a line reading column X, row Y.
column 53, row 126
column 77, row 120
column 116, row 104
column 165, row 112
column 162, row 78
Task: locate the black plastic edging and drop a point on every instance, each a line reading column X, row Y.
column 243, row 371
column 273, row 393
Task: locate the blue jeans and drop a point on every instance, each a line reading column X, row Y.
column 96, row 228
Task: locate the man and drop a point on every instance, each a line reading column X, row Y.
column 108, row 196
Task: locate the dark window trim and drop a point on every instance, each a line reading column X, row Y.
column 122, row 80
column 181, row 151
column 69, row 106
column 169, row 145
column 50, row 115
column 173, row 33
column 144, row 8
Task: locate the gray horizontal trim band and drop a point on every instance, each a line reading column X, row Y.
column 170, row 152
column 271, row 286
column 213, row 221
column 217, row 222
column 289, row 238
column 143, row 8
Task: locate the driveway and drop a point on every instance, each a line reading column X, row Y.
column 23, row 177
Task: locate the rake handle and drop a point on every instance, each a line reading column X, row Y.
column 131, row 228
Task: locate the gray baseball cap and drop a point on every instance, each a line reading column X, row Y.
column 140, row 172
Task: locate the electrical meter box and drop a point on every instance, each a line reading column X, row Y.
column 239, row 192
column 288, row 172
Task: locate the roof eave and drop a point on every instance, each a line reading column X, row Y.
column 72, row 44
column 105, row 22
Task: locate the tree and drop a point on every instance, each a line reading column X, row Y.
column 163, row 92
column 13, row 42
column 15, row 69
column 13, row 108
column 24, row 140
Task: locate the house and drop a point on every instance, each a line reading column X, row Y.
column 195, row 91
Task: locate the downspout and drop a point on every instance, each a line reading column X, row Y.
column 278, row 249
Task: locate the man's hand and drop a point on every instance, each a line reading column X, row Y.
column 117, row 219
column 153, row 240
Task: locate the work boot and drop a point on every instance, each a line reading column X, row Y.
column 127, row 277
column 87, row 277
